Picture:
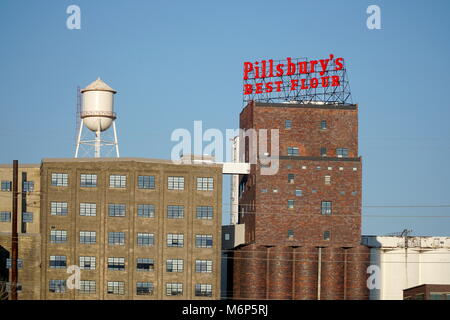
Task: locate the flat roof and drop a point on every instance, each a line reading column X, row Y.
column 306, row 105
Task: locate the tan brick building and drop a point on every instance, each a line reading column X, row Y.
column 137, row 229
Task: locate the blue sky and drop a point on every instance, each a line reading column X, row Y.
column 174, row 62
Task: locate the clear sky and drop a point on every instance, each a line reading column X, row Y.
column 174, row 62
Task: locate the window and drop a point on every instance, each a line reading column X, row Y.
column 203, row 290
column 146, row 182
column 57, row 286
column 116, row 210
column 146, row 210
column 291, row 204
column 60, row 179
column 203, row 266
column 326, row 207
column 58, row 208
column 28, row 186
column 58, row 262
column 175, row 212
column 116, row 287
column 174, row 265
column 145, row 239
column 204, row 212
column 291, row 177
column 174, row 289
column 116, row 238
column 205, row 184
column 88, row 237
column 5, row 216
column 227, row 236
column 144, row 288
column 323, row 124
column 87, row 286
column 326, row 235
column 175, row 240
column 437, row 296
column 327, row 180
column 87, row 263
column 354, row 193
column 58, row 236
column 288, row 124
column 203, row 240
column 9, row 262
column 263, row 190
column 88, row 209
column 293, row 151
column 323, row 152
column 342, row 152
column 6, row 185
column 145, row 264
column 116, row 264
column 27, row 217
column 88, row 180
column 117, row 181
column 175, row 183
column 298, row 193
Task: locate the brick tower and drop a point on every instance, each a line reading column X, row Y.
column 303, row 224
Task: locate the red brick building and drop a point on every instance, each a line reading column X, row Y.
column 303, row 224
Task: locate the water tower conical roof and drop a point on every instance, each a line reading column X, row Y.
column 98, row 85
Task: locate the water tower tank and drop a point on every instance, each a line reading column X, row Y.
column 98, row 106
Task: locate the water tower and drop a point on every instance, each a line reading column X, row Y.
column 97, row 114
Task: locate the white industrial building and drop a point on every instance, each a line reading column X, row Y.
column 405, row 262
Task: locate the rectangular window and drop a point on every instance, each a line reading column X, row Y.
column 290, row 234
column 291, row 177
column 88, row 209
column 27, row 217
column 117, row 181
column 203, row 266
column 175, row 183
column 293, row 151
column 203, row 290
column 144, row 288
column 146, row 182
column 326, row 235
column 116, row 238
column 323, row 124
column 60, row 179
column 88, row 180
column 145, row 239
column 87, row 286
column 58, row 208
column 327, row 180
column 87, row 263
column 326, row 207
column 205, row 212
column 175, row 212
column 342, row 152
column 5, row 216
column 116, row 210
column 116, row 264
column 174, row 289
column 175, row 240
column 6, row 185
column 58, row 236
column 88, row 237
column 203, row 240
column 290, row 204
column 116, row 287
column 298, row 193
column 145, row 264
column 205, row 184
column 174, row 265
column 146, row 210
column 57, row 286
column 288, row 124
column 323, row 152
column 28, row 186
column 58, row 262
column 9, row 262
